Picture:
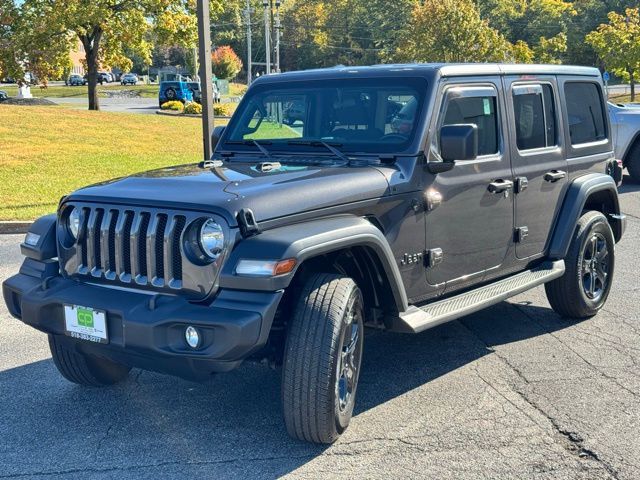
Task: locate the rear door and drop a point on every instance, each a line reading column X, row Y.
column 537, row 158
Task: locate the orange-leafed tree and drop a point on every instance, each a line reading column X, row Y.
column 225, row 63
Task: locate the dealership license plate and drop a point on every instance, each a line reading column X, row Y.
column 86, row 323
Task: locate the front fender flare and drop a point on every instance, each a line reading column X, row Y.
column 574, row 203
column 306, row 240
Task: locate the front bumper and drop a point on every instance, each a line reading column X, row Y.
column 147, row 331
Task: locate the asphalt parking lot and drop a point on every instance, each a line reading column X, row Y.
column 513, row 392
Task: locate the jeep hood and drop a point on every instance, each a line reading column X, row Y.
column 278, row 192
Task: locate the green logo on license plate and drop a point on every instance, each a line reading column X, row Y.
column 85, row 317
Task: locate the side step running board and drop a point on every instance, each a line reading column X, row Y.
column 416, row 319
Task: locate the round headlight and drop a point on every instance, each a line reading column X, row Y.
column 73, row 222
column 211, row 238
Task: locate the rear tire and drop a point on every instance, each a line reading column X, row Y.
column 590, row 262
column 633, row 163
column 84, row 369
column 322, row 359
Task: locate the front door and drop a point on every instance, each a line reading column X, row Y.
column 539, row 164
column 470, row 208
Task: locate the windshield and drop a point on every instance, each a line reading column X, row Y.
column 356, row 115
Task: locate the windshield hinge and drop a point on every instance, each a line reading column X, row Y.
column 387, row 158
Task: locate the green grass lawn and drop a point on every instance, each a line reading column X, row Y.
column 624, row 98
column 146, row 91
column 273, row 130
column 47, row 152
column 63, row 91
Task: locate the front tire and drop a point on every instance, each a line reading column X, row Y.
column 590, row 262
column 83, row 369
column 323, row 355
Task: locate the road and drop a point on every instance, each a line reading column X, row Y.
column 513, row 392
column 126, row 105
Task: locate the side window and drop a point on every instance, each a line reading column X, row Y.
column 535, row 116
column 465, row 106
column 585, row 112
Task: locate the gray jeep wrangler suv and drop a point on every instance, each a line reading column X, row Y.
column 398, row 196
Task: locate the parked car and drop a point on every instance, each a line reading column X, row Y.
column 287, row 242
column 105, row 77
column 129, row 79
column 625, row 120
column 76, row 80
column 174, row 90
column 3, row 95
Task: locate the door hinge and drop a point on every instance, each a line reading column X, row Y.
column 521, row 184
column 520, row 234
column 434, row 257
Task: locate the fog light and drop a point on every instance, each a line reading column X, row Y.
column 192, row 337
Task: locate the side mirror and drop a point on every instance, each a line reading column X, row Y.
column 215, row 136
column 458, row 142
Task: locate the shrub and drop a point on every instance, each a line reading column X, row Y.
column 225, row 63
column 174, row 105
column 193, row 108
column 224, row 109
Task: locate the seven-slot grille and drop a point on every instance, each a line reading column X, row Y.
column 128, row 246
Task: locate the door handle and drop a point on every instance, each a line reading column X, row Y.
column 554, row 176
column 500, row 186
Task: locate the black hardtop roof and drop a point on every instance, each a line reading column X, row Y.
column 430, row 70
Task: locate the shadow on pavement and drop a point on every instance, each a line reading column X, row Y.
column 231, row 424
column 629, row 185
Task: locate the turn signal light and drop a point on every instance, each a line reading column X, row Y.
column 265, row 268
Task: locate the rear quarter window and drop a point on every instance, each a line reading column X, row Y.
column 585, row 112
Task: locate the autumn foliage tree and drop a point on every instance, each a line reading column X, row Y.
column 225, row 63
column 108, row 30
column 617, row 43
column 451, row 31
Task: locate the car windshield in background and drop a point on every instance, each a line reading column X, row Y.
column 357, row 115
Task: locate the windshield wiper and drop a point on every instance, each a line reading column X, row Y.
column 320, row 143
column 257, row 144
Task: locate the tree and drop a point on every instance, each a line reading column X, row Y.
column 225, row 63
column 8, row 23
column 521, row 52
column 617, row 43
column 550, row 50
column 23, row 46
column 450, row 31
column 541, row 24
column 108, row 30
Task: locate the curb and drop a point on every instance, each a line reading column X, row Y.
column 189, row 115
column 12, row 228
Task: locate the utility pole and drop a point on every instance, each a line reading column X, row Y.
column 278, row 30
column 267, row 34
column 206, row 89
column 247, row 19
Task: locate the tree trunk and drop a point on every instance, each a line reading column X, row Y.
column 91, row 44
column 92, row 84
column 632, row 82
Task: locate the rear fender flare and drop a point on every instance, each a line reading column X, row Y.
column 578, row 194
